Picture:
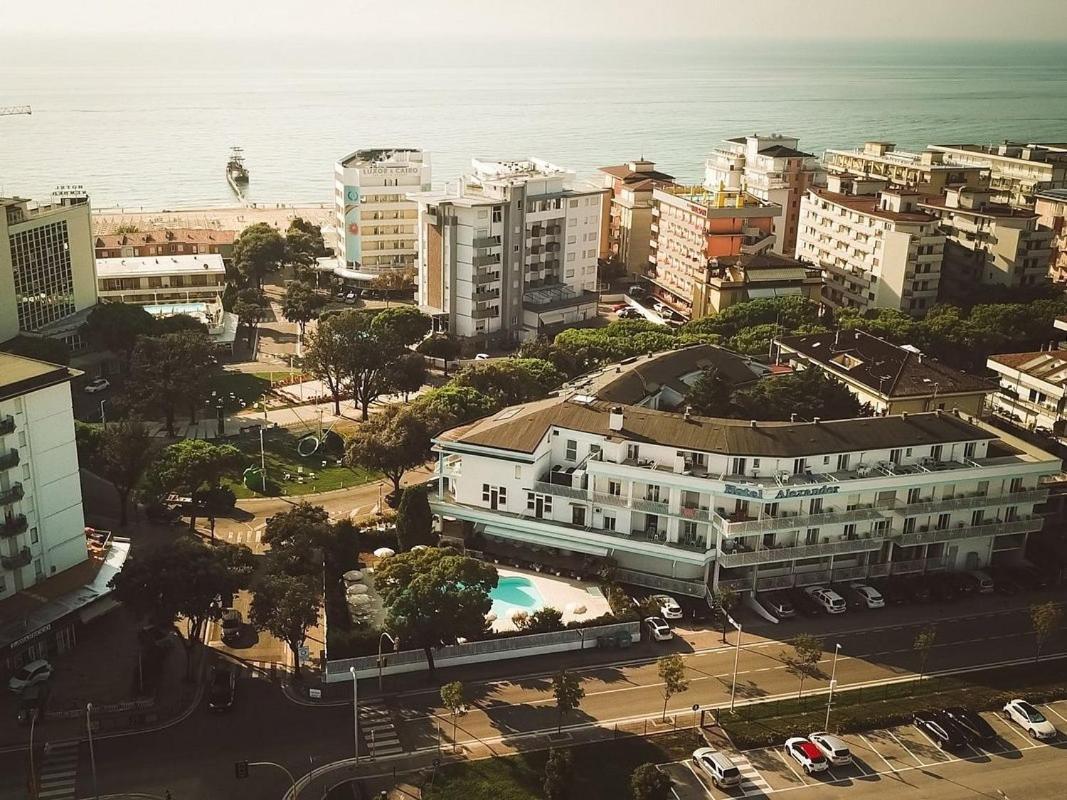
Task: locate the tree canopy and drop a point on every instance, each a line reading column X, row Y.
column 414, row 520
column 286, row 606
column 251, row 308
column 125, row 451
column 257, row 251
column 451, row 405
column 301, row 304
column 189, row 465
column 169, row 370
column 511, row 380
column 392, row 444
column 117, row 327
column 649, row 782
column 41, row 348
column 294, row 536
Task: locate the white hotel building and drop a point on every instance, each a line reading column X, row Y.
column 685, row 503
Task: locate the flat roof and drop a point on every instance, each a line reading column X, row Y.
column 868, row 204
column 141, row 266
column 20, row 375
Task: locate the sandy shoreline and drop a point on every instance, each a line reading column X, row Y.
column 231, row 218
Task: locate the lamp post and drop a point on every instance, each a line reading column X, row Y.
column 396, row 647
column 103, row 419
column 833, row 683
column 33, row 770
column 262, row 455
column 92, row 752
column 737, row 653
column 355, row 710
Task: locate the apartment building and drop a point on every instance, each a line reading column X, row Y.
column 875, row 246
column 927, row 171
column 772, row 168
column 47, row 271
column 166, row 242
column 988, row 243
column 1016, row 171
column 1033, row 388
column 510, row 250
column 696, row 232
column 375, row 219
column 629, row 219
column 685, row 503
column 1050, row 205
column 889, row 378
column 161, row 280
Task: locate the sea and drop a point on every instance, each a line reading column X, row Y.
column 149, row 124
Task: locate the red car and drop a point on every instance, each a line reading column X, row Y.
column 806, row 754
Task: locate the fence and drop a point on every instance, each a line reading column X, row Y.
column 487, row 650
column 650, row 581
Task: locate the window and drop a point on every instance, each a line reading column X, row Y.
column 811, row 536
column 497, row 214
column 913, row 496
column 909, row 525
column 800, row 466
column 632, row 452
column 969, row 449
column 34, row 536
column 935, row 452
column 977, row 517
column 518, row 472
column 609, row 522
column 615, row 488
column 737, row 466
column 842, row 462
column 894, row 456
column 850, row 531
column 572, row 450
column 943, row 521
column 1016, row 485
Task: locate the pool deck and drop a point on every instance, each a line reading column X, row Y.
column 558, row 592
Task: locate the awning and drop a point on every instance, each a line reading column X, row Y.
column 546, row 540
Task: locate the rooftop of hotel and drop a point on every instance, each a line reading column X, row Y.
column 715, row 199
column 1020, row 151
column 166, row 236
column 382, row 155
column 868, row 204
column 1049, row 366
column 19, row 375
column 149, row 266
column 983, row 209
column 764, row 267
column 639, row 176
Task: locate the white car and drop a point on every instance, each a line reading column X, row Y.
column 1027, row 717
column 658, row 629
column 806, row 754
column 870, row 596
column 662, row 309
column 668, row 606
column 30, row 674
column 717, row 766
column 834, row 748
column 97, row 385
column 482, row 357
column 831, row 601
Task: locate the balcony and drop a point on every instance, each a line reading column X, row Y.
column 12, row 495
column 12, row 526
column 975, row 500
column 560, row 490
column 486, row 241
column 485, row 313
column 9, row 459
column 768, row 555
column 7, row 425
column 484, row 276
column 17, row 561
column 486, row 260
column 963, row 531
column 485, row 294
column 783, row 522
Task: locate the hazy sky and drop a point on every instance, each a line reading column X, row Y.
column 359, row 20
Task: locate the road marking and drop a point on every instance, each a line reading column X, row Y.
column 918, row 760
column 789, row 766
column 700, row 779
column 1030, row 743
column 878, row 753
column 751, row 775
column 1048, row 707
column 939, row 748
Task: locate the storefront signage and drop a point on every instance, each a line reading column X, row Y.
column 780, row 494
column 388, row 170
column 30, row 636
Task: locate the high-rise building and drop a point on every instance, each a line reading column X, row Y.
column 630, row 211
column 877, row 248
column 988, row 243
column 510, row 250
column 771, row 168
column 1016, row 171
column 375, row 228
column 47, row 271
column 928, row 171
column 1050, row 205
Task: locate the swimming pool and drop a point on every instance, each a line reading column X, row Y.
column 515, row 591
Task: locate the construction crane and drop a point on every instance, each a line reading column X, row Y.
column 6, row 111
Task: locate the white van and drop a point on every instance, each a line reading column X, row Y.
column 831, row 601
column 717, row 766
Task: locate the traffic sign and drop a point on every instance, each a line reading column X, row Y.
column 304, row 653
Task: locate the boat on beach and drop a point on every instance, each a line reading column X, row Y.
column 236, row 172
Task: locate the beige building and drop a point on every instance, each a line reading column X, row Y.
column 989, row 243
column 166, row 242
column 161, row 281
column 47, row 271
column 772, row 168
column 1050, row 206
column 927, row 171
column 889, row 378
column 1016, row 171
column 876, row 247
column 629, row 215
column 1033, row 388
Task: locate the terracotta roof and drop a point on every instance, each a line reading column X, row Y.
column 868, row 204
column 883, row 367
column 166, row 236
column 1047, row 365
column 648, row 377
column 522, row 428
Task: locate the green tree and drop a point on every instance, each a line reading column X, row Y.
column 649, row 782
column 435, row 596
column 414, row 520
column 401, row 326
column 181, row 579
column 568, row 691
column 125, row 452
column 178, row 323
column 169, row 370
column 326, row 354
column 301, row 304
column 451, row 405
column 558, row 774
column 258, row 250
column 298, row 537
column 392, row 445
column 808, row 393
column 286, row 606
column 724, row 599
column 251, row 308
column 398, row 280
column 803, row 661
column 117, row 327
column 310, row 230
column 440, row 346
column 300, row 254
column 408, row 373
column 511, row 380
column 452, row 696
column 672, row 676
column 189, row 466
column 87, row 440
column 709, row 396
column 923, row 644
column 543, row 620
column 1045, row 618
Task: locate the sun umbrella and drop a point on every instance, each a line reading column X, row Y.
column 384, row 552
column 353, row 575
column 356, row 589
column 357, row 600
column 418, row 547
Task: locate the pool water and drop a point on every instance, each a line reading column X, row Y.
column 515, row 591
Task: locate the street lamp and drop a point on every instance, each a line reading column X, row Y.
column 103, row 419
column 737, row 652
column 355, row 710
column 33, row 771
column 396, row 648
column 92, row 752
column 833, row 683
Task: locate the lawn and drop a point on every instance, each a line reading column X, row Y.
column 239, row 389
column 279, row 446
column 519, row 777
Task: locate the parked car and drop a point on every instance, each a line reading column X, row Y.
column 97, row 385
column 833, row 747
column 30, row 674
column 231, row 625
column 628, row 313
column 351, row 298
column 973, row 725
column 891, row 594
column 776, row 604
column 983, row 584
column 868, row 595
column 481, row 357
column 805, row 604
column 1004, row 585
column 941, row 730
column 658, row 629
column 1027, row 717
column 668, row 606
column 222, row 688
column 663, row 310
column 619, row 306
column 831, row 601
column 340, row 296
column 963, row 582
column 806, row 754
column 637, row 290
column 717, row 766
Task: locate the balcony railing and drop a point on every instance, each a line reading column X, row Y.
column 12, row 495
column 774, row 582
column 811, row 578
column 17, row 561
column 766, row 555
column 485, row 313
column 12, row 526
column 971, row 501
column 559, row 490
column 650, row 581
column 784, row 522
column 482, row 261
column 7, row 425
column 9, row 459
column 848, row 573
column 962, row 531
column 487, row 241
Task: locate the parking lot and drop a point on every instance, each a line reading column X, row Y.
column 878, row 756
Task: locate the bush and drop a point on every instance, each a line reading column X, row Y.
column 544, row 620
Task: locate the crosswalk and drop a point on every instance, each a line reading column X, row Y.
column 379, row 733
column 751, row 780
column 59, row 769
column 246, row 537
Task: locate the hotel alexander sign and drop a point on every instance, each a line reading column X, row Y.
column 782, row 493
